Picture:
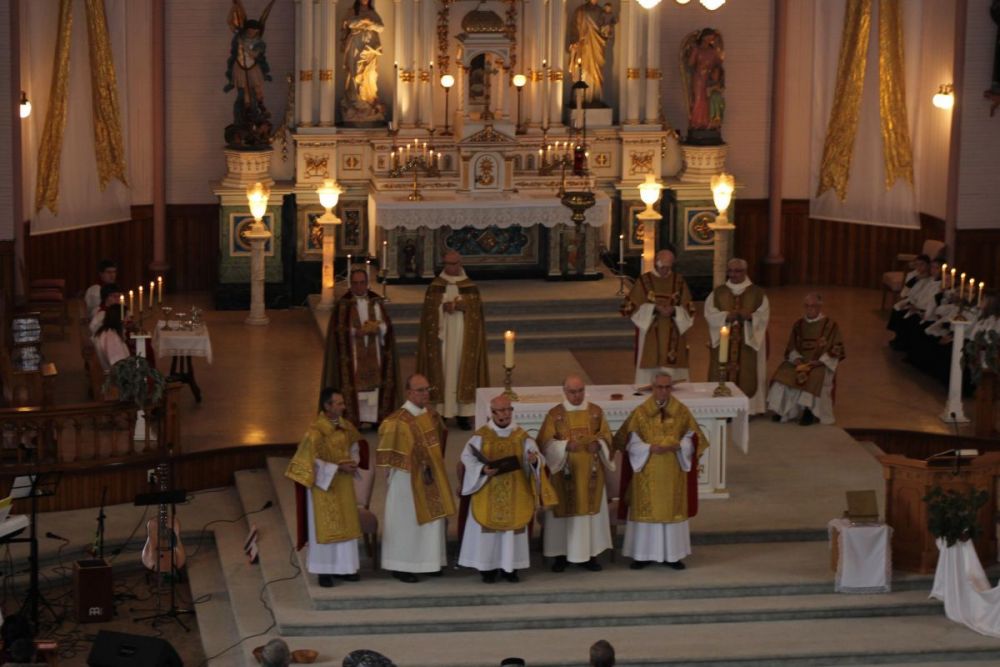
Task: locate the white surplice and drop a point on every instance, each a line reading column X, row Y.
column 579, row 538
column 335, row 557
column 789, row 402
column 643, row 319
column 368, row 400
column 110, row 348
column 505, row 550
column 657, row 542
column 408, row 546
column 755, row 336
column 451, row 332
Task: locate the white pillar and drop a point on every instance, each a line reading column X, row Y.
column 500, row 83
column 649, row 224
column 258, row 236
column 306, row 74
column 651, row 113
column 633, row 84
column 408, row 67
column 298, row 62
column 723, row 230
column 328, row 63
column 399, row 65
column 429, row 42
column 536, row 91
column 953, row 411
column 557, row 60
column 329, row 224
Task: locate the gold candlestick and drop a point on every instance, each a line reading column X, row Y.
column 723, row 389
column 507, row 391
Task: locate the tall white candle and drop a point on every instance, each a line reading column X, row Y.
column 159, row 290
column 723, row 344
column 131, row 301
column 385, row 255
column 944, row 276
column 980, row 302
column 140, row 299
column 951, row 283
column 621, row 249
column 972, row 287
column 508, row 349
column 121, row 304
column 961, row 285
column 152, row 294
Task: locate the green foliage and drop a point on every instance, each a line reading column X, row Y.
column 137, row 382
column 982, row 352
column 951, row 515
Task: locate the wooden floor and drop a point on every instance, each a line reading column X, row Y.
column 263, row 382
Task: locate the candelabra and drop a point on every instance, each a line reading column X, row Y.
column 507, row 381
column 422, row 159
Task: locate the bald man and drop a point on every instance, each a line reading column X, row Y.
column 743, row 307
column 802, row 388
column 660, row 307
column 503, row 475
column 451, row 345
column 575, row 440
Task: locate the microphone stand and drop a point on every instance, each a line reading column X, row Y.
column 101, row 516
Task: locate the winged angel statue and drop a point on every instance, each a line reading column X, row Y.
column 246, row 71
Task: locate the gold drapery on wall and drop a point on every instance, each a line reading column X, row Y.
column 838, row 147
column 50, row 149
column 108, row 144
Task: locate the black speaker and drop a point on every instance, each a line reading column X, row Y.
column 117, row 649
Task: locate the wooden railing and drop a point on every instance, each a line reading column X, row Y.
column 920, row 445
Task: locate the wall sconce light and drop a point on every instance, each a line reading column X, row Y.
column 944, row 98
column 712, row 5
column 25, row 105
column 649, row 4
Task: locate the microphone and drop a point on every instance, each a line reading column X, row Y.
column 53, row 536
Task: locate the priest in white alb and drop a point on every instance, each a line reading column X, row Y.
column 504, row 475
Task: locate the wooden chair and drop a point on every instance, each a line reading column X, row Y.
column 892, row 281
column 47, row 296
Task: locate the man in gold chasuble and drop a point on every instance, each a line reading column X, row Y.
column 575, row 440
column 451, row 346
column 419, row 497
column 660, row 307
column 662, row 444
column 324, row 464
column 505, row 477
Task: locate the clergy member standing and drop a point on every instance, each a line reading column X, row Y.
column 419, row 497
column 662, row 443
column 802, row 387
column 503, row 474
column 451, row 346
column 325, row 464
column 360, row 358
column 660, row 307
column 575, row 440
column 743, row 307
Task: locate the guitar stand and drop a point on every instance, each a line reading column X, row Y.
column 173, row 613
column 37, row 489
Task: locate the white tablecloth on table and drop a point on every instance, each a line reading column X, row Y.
column 961, row 584
column 173, row 343
column 864, row 563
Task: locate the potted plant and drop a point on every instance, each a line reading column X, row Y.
column 137, row 383
column 951, row 514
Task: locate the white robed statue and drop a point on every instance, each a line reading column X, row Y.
column 362, row 48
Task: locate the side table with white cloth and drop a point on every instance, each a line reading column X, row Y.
column 181, row 343
column 718, row 416
column 863, row 556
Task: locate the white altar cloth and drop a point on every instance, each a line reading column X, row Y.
column 961, row 584
column 864, row 563
column 718, row 417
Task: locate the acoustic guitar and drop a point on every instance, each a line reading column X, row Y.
column 163, row 551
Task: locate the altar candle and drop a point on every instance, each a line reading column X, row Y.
column 121, row 304
column 961, row 284
column 159, row 289
column 944, row 276
column 541, row 157
column 508, row 349
column 423, row 150
column 395, row 89
column 131, row 301
column 385, row 255
column 723, row 344
column 951, row 283
column 621, row 249
column 152, row 294
column 140, row 298
column 979, row 303
column 348, row 265
column 972, row 287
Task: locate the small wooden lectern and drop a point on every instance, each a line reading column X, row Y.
column 908, row 480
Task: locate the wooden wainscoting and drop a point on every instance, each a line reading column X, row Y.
column 977, row 251
column 192, row 249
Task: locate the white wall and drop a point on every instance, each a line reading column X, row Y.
column 795, row 181
column 7, row 119
column 747, row 30
column 979, row 183
column 197, row 110
column 933, row 133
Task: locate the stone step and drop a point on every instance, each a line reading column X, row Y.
column 792, row 643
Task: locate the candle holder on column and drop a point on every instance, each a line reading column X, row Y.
column 723, row 390
column 507, row 380
column 383, row 274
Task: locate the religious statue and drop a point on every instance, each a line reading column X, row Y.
column 362, row 48
column 593, row 27
column 247, row 70
column 704, row 77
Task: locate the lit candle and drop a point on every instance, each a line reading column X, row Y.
column 621, row 249
column 121, row 304
column 423, row 150
column 159, row 290
column 348, row 265
column 140, row 298
column 508, row 349
column 385, row 255
column 723, row 344
column 131, row 301
column 951, row 283
column 980, row 302
column 395, row 89
column 944, row 276
column 972, row 287
column 961, row 285
column 152, row 294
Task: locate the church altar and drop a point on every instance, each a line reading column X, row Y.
column 719, row 418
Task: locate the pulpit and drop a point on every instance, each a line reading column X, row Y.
column 908, row 480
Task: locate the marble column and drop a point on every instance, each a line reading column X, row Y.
column 633, row 84
column 306, row 74
column 954, row 412
column 258, row 236
column 557, row 61
column 328, row 222
column 328, row 63
column 535, row 14
column 399, row 65
column 651, row 112
column 408, row 67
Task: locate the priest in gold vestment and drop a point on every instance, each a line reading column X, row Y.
column 576, row 442
column 419, row 497
column 802, row 387
column 325, row 463
column 451, row 346
column 744, row 308
column 663, row 443
column 504, row 497
column 660, row 307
